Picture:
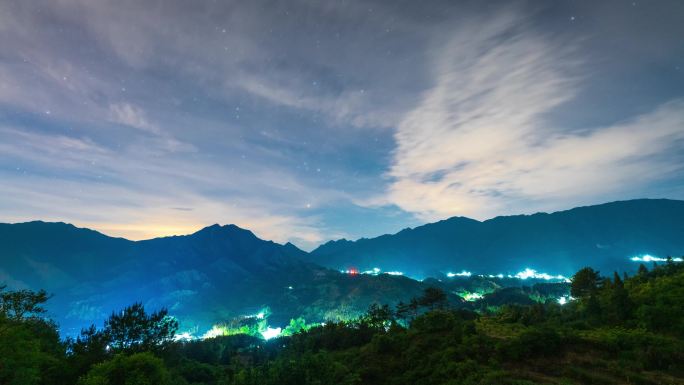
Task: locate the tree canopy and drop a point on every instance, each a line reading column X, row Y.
column 618, row 330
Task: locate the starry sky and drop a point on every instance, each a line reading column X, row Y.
column 310, row 120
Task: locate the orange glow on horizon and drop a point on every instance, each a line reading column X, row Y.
column 139, row 231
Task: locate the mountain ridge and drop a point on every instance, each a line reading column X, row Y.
column 207, row 277
column 332, row 241
column 222, row 271
column 516, row 241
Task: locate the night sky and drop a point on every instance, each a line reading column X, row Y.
column 311, row 120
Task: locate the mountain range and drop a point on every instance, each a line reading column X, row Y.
column 204, row 278
column 603, row 236
column 222, row 272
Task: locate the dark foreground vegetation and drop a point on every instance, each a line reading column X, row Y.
column 618, row 330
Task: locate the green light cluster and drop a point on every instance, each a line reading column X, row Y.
column 257, row 326
column 471, row 296
column 297, row 325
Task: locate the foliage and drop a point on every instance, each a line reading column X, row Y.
column 136, row 369
column 618, row 330
column 433, row 298
column 134, row 330
column 30, row 349
column 585, row 283
column 21, row 304
column 88, row 349
column 296, row 325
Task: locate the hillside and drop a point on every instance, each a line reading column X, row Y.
column 617, row 330
column 605, row 236
column 211, row 276
column 223, row 272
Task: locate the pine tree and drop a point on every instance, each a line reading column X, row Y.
column 585, row 283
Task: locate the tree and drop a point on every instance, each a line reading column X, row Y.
column 136, row 369
column 134, row 330
column 403, row 310
column 643, row 270
column 413, row 307
column 22, row 304
column 87, row 350
column 433, row 298
column 585, row 283
column 620, row 305
column 617, row 281
column 378, row 316
column 30, row 349
column 296, row 325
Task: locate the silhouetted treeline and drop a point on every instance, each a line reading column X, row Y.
column 617, row 329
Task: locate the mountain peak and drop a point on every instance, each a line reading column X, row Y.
column 222, row 228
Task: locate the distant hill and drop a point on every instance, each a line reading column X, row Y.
column 604, row 236
column 213, row 275
column 221, row 272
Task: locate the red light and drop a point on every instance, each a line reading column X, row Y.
column 353, row 271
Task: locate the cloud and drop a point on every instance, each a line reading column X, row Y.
column 137, row 212
column 350, row 107
column 182, row 208
column 57, row 151
column 480, row 142
column 132, row 194
column 127, row 111
column 160, row 140
column 129, row 115
column 118, row 115
column 224, row 48
column 147, row 93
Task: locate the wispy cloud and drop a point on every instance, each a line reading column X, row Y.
column 480, row 143
column 284, row 117
column 132, row 116
column 132, row 194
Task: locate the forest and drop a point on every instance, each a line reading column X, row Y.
column 618, row 329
